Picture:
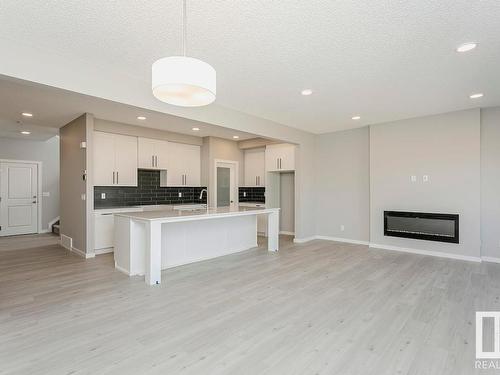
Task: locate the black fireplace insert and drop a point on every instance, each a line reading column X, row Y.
column 422, row 225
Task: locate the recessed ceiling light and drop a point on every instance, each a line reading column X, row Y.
column 141, row 118
column 27, row 114
column 356, row 117
column 196, row 129
column 236, row 136
column 476, row 96
column 25, row 132
column 306, row 92
column 466, row 47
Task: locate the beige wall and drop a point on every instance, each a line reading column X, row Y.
column 74, row 212
column 217, row 148
column 446, row 148
column 48, row 153
column 490, row 182
column 343, row 184
column 287, row 202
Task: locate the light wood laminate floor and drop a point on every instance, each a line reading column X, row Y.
column 315, row 308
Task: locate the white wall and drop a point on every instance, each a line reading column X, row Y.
column 490, row 182
column 343, row 184
column 447, row 148
column 48, row 153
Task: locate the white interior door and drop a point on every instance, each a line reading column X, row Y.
column 19, row 197
column 226, row 186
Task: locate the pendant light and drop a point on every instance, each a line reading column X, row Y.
column 181, row 80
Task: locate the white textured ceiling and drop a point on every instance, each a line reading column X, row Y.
column 382, row 60
column 52, row 108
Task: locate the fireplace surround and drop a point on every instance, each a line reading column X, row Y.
column 428, row 226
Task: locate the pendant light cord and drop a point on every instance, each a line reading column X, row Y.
column 184, row 27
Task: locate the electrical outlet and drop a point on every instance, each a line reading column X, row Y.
column 180, row 194
column 103, row 195
column 244, row 194
column 425, row 178
column 342, row 228
column 413, row 178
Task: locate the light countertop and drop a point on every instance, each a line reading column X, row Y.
column 170, row 215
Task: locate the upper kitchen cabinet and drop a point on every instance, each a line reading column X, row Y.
column 280, row 157
column 152, row 153
column 184, row 165
column 255, row 167
column 115, row 159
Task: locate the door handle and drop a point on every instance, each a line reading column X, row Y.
column 34, row 202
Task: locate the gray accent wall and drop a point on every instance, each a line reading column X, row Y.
column 343, row 184
column 48, row 153
column 490, row 182
column 75, row 213
column 446, row 148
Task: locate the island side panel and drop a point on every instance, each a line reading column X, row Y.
column 192, row 241
column 122, row 244
column 153, row 253
column 273, row 230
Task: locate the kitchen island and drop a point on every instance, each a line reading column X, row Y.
column 147, row 242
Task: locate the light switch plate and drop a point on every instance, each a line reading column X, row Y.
column 425, row 178
column 342, row 228
column 83, row 197
column 413, row 178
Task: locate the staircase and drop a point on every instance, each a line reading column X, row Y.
column 55, row 227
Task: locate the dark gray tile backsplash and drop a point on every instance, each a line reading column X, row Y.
column 253, row 194
column 147, row 192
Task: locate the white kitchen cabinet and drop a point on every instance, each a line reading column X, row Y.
column 255, row 167
column 115, row 160
column 184, row 165
column 152, row 153
column 280, row 157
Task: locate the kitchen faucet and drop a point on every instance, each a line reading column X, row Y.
column 201, row 193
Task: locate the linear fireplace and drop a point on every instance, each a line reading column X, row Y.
column 422, row 225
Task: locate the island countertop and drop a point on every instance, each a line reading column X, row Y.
column 172, row 215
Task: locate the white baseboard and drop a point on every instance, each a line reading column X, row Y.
column 425, row 252
column 122, row 270
column 490, row 259
column 104, row 251
column 303, row 240
column 287, row 233
column 341, row 239
column 400, row 249
column 44, row 231
column 81, row 253
column 67, row 243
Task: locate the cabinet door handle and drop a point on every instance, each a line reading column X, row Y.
column 152, row 160
column 113, row 177
column 280, row 163
column 277, row 163
column 156, row 161
column 117, row 177
column 256, row 183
